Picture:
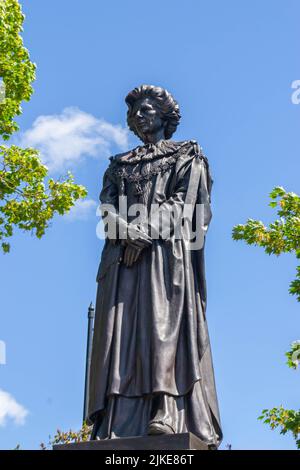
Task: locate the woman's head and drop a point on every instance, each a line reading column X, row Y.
column 150, row 109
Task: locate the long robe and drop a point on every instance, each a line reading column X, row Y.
column 151, row 356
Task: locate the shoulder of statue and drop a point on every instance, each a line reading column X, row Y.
column 188, row 152
column 118, row 156
column 199, row 153
column 111, row 170
column 197, row 149
column 190, row 149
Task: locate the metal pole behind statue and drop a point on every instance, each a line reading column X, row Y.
column 91, row 317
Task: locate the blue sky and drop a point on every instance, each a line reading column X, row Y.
column 230, row 65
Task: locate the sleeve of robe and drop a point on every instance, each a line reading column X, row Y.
column 109, row 198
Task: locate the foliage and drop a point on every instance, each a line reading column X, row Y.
column 293, row 355
column 16, row 69
column 286, row 420
column 281, row 236
column 28, row 198
column 70, row 436
column 26, row 202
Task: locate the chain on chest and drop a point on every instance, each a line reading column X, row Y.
column 139, row 175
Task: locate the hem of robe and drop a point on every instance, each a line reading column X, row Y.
column 106, row 418
column 102, row 406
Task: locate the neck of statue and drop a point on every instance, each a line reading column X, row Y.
column 155, row 137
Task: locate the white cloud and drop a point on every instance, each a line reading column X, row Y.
column 68, row 137
column 10, row 408
column 82, row 209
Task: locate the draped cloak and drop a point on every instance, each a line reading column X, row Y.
column 151, row 356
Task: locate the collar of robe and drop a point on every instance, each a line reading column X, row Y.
column 150, row 151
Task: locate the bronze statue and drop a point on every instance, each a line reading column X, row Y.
column 151, row 369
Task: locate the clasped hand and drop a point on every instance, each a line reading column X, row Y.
column 135, row 242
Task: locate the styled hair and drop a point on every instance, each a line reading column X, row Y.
column 164, row 101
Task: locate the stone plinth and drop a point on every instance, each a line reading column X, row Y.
column 184, row 441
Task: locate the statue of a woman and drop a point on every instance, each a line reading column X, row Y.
column 151, row 369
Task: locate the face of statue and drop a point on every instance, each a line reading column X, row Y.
column 147, row 120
